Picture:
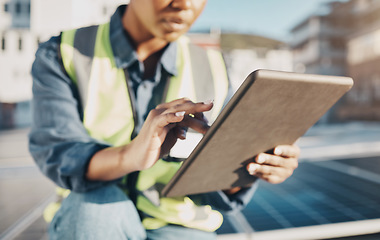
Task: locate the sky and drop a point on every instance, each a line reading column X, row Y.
column 270, row 18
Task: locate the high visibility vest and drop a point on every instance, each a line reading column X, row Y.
column 108, row 113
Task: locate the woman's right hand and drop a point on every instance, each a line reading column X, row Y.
column 163, row 126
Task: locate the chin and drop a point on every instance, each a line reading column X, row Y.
column 172, row 36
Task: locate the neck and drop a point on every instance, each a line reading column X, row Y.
column 144, row 42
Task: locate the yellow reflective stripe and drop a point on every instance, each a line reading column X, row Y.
column 160, row 172
column 67, row 53
column 220, row 78
column 62, row 192
column 179, row 210
column 103, row 47
column 163, row 212
column 50, row 211
column 153, row 223
column 182, row 211
column 53, row 207
column 108, row 117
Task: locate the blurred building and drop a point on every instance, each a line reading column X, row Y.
column 319, row 46
column 343, row 38
column 245, row 53
column 23, row 25
column 49, row 17
column 16, row 53
column 363, row 62
column 318, row 42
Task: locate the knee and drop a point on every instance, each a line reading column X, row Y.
column 100, row 211
column 104, row 202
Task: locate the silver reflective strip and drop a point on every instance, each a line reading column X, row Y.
column 202, row 75
column 84, row 47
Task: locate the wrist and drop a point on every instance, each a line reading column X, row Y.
column 128, row 162
column 136, row 156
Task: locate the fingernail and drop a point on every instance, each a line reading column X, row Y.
column 208, row 102
column 180, row 114
column 252, row 168
column 278, row 151
column 260, row 159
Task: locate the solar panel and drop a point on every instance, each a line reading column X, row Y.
column 318, row 193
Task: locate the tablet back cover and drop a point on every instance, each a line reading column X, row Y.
column 270, row 108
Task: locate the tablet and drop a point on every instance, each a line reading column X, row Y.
column 270, row 108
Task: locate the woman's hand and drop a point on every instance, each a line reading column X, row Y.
column 273, row 168
column 277, row 167
column 163, row 126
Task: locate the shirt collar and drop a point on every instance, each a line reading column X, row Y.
column 123, row 51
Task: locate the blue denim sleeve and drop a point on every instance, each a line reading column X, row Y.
column 58, row 140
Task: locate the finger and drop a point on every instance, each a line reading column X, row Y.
column 172, row 103
column 170, row 126
column 165, row 119
column 276, row 161
column 190, row 107
column 198, row 125
column 265, row 170
column 287, row 151
column 200, row 116
column 273, row 179
column 277, row 171
column 180, row 132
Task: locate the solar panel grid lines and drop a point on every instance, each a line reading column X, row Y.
column 301, row 206
column 272, row 212
column 313, row 196
column 291, row 203
column 342, row 198
column 356, row 188
column 368, row 163
column 338, row 206
column 361, row 187
column 354, row 170
column 314, row 202
column 343, row 178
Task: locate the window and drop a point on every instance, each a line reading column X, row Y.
column 6, row 7
column 18, row 8
column 20, row 44
column 28, row 8
column 3, row 43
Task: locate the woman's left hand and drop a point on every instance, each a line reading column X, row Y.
column 277, row 167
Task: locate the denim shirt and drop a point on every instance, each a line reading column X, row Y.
column 58, row 141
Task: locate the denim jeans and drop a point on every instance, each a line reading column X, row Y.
column 107, row 213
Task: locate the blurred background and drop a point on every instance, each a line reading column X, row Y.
column 335, row 192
